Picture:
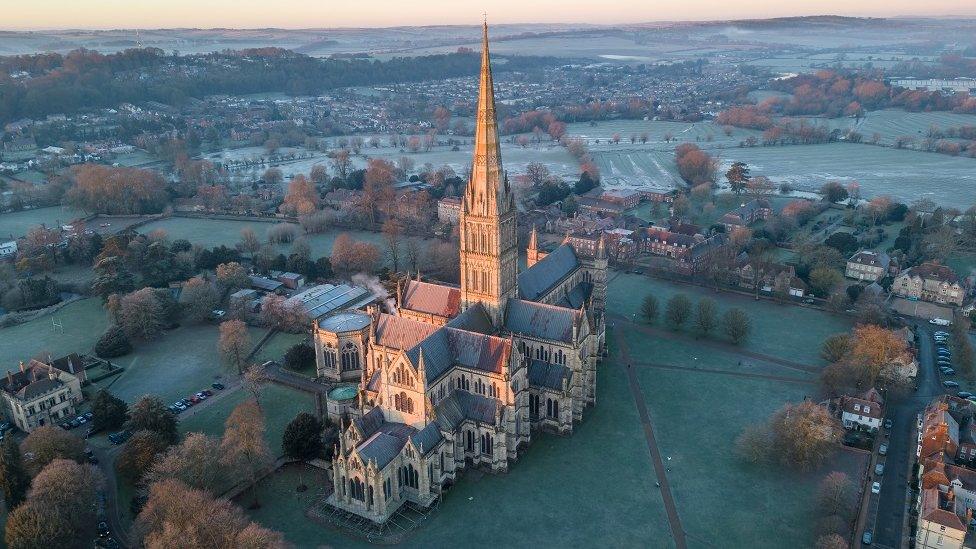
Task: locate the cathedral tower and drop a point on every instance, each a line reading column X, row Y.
column 489, row 257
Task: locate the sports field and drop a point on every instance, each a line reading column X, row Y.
column 16, row 224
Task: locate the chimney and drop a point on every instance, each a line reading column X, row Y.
column 22, row 367
column 50, row 373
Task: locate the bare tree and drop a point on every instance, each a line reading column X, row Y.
column 250, row 243
column 235, row 344
column 392, row 233
column 195, row 462
column 48, row 443
column 244, row 448
column 141, row 314
column 198, row 299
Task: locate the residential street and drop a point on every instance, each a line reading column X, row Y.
column 893, row 502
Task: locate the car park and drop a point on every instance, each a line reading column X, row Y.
column 950, row 384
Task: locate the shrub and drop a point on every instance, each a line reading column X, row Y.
column 113, row 343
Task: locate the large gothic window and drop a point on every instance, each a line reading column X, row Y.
column 329, row 356
column 350, row 357
column 486, row 444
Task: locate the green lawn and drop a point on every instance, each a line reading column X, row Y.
column 774, row 326
column 83, row 322
column 280, row 404
column 275, row 348
column 283, row 508
column 178, row 364
column 16, row 224
column 723, row 501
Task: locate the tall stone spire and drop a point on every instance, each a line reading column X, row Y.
column 488, row 192
column 489, row 258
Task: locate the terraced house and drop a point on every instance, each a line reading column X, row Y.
column 461, row 377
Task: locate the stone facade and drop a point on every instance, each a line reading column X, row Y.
column 461, row 377
column 41, row 394
column 930, row 282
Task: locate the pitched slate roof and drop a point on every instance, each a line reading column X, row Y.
column 540, row 320
column 548, row 376
column 473, row 319
column 577, row 296
column 461, row 405
column 370, row 422
column 381, row 448
column 427, row 438
column 449, row 346
column 539, row 279
column 398, row 332
column 430, row 298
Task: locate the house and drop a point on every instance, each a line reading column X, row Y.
column 8, row 249
column 865, row 412
column 868, row 266
column 774, row 278
column 939, row 526
column 343, row 199
column 292, row 281
column 591, row 205
column 41, row 394
column 449, row 209
column 746, row 214
column 930, row 282
column 266, row 284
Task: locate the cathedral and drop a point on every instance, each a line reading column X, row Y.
column 460, row 377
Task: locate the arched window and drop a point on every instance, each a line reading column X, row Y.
column 442, row 462
column 549, row 407
column 469, row 441
column 494, row 391
column 408, row 476
column 387, row 488
column 357, row 489
column 329, row 356
column 350, row 357
column 369, row 496
column 486, row 444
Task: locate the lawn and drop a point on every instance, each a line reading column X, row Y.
column 964, row 263
column 83, row 322
column 723, row 501
column 280, row 404
column 772, row 323
column 17, row 224
column 178, row 364
column 274, row 348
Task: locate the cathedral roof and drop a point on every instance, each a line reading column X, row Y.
column 449, row 346
column 381, row 448
column 398, row 332
column 541, row 321
column 473, row 319
column 541, row 278
column 548, row 376
column 427, row 438
column 430, row 298
column 576, row 297
column 461, row 405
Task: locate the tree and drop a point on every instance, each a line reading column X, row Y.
column 108, row 411
column 835, row 347
column 537, row 173
column 235, row 344
column 350, row 257
column 113, row 343
column 48, row 443
column 198, row 299
column 706, row 316
column 300, row 357
column 341, row 163
column 301, row 198
column 803, row 434
column 195, row 462
column 302, row 440
column 737, row 325
column 678, row 311
column 843, row 242
column 141, row 314
column 833, row 192
column 250, row 243
column 273, row 176
column 14, row 479
column 836, row 494
column 59, row 510
column 832, row 541
column 232, row 276
column 649, row 308
column 176, row 515
column 243, row 446
column 138, row 455
column 106, row 189
column 392, row 236
column 150, row 414
column 823, row 280
column 738, row 177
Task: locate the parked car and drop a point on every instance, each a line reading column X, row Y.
column 201, row 395
column 867, row 538
column 942, row 333
column 218, row 386
column 950, row 384
column 207, row 392
column 879, row 469
column 888, row 423
column 948, row 372
column 964, row 394
column 809, row 301
column 103, row 531
column 940, row 322
column 119, row 437
column 883, row 449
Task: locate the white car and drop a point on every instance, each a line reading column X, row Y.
column 940, row 322
column 876, row 488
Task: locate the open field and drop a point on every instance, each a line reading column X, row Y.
column 771, row 322
column 892, row 123
column 280, row 404
column 645, row 169
column 83, row 322
column 17, row 224
column 216, row 232
column 706, row 134
column 902, row 174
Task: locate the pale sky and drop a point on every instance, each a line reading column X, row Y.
column 101, row 14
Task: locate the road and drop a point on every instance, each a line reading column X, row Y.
column 893, row 500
